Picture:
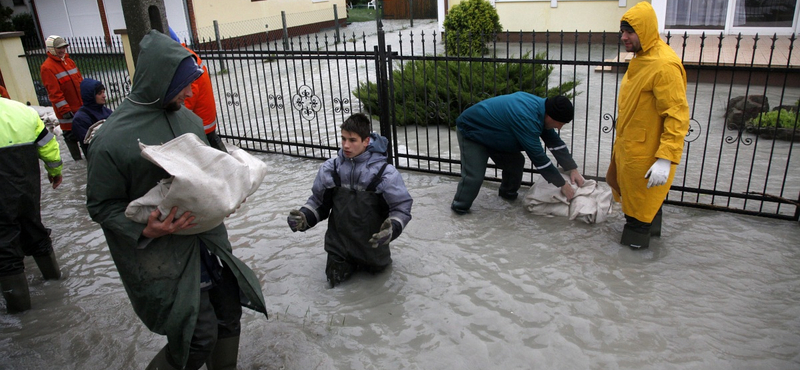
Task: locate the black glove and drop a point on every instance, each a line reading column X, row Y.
column 67, row 115
column 297, row 221
column 384, row 236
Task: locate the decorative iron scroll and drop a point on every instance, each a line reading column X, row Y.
column 694, row 131
column 275, row 101
column 609, row 117
column 306, row 102
column 744, row 140
column 435, row 111
column 232, row 99
column 341, row 105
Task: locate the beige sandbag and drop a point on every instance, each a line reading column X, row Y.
column 92, row 131
column 207, row 182
column 591, row 204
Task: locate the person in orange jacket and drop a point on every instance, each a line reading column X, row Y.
column 4, row 92
column 202, row 101
column 62, row 80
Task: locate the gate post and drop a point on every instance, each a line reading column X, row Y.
column 285, row 31
column 336, row 23
column 382, row 72
column 16, row 75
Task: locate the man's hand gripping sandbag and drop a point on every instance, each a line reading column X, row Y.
column 209, row 183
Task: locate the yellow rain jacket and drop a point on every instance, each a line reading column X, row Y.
column 653, row 118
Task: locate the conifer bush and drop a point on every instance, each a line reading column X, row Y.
column 469, row 26
column 435, row 92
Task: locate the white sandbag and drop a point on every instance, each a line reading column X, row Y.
column 48, row 116
column 591, row 203
column 92, row 131
column 207, row 182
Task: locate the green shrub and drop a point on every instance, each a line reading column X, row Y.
column 788, row 119
column 436, row 92
column 5, row 19
column 469, row 26
column 24, row 22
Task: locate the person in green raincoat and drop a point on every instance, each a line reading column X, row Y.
column 652, row 123
column 188, row 287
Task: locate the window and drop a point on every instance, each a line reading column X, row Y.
column 692, row 14
column 764, row 13
column 713, row 14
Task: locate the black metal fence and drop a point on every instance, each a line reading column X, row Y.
column 290, row 99
column 290, row 96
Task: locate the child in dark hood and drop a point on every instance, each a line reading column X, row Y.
column 366, row 199
column 93, row 110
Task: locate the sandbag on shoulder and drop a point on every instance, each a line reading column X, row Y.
column 207, row 182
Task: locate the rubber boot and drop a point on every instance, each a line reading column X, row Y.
column 160, row 361
column 225, row 354
column 633, row 239
column 337, row 270
column 48, row 265
column 655, row 225
column 74, row 149
column 15, row 292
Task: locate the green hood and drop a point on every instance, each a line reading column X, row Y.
column 642, row 17
column 157, row 62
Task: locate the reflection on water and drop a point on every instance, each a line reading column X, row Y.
column 495, row 289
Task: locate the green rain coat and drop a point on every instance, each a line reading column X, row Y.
column 653, row 118
column 162, row 278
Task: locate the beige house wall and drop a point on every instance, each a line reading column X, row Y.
column 16, row 75
column 249, row 17
column 581, row 16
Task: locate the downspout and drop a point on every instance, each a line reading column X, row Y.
column 104, row 21
column 188, row 7
column 35, row 16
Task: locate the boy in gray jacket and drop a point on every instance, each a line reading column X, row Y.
column 365, row 199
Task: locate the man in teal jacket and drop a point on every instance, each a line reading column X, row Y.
column 176, row 283
column 23, row 139
column 500, row 128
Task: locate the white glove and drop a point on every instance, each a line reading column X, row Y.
column 658, row 173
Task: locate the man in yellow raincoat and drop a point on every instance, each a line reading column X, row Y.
column 652, row 123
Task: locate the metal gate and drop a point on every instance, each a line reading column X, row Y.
column 289, row 96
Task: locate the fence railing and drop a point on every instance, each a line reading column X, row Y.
column 289, row 96
column 291, row 99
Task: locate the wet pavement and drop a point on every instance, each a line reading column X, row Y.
column 498, row 288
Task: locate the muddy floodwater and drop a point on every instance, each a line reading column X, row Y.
column 498, row 288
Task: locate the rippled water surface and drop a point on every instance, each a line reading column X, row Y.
column 496, row 289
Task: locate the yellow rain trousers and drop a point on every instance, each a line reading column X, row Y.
column 653, row 118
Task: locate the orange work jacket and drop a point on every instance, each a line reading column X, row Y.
column 202, row 101
column 62, row 80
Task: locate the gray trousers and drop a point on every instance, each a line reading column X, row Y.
column 474, row 160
